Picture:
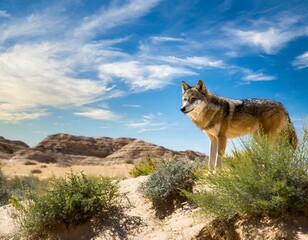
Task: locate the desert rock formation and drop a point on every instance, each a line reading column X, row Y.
column 69, row 149
column 9, row 147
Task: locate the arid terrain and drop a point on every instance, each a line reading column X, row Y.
column 139, row 221
column 61, row 153
column 66, row 153
column 43, row 171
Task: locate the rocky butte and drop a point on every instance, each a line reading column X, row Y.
column 69, row 149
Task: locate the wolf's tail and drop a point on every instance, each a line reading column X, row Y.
column 291, row 133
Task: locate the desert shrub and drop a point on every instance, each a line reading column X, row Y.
column 21, row 185
column 258, row 179
column 18, row 186
column 4, row 191
column 70, row 201
column 129, row 161
column 30, row 163
column 166, row 182
column 143, row 168
column 36, row 171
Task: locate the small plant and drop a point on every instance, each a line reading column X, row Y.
column 4, row 191
column 18, row 186
column 70, row 201
column 165, row 184
column 30, row 163
column 260, row 179
column 36, row 171
column 129, row 161
column 143, row 168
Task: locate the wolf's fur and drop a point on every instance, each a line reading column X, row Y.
column 223, row 118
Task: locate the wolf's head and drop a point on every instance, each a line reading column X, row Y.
column 193, row 96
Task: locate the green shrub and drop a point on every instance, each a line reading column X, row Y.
column 70, row 201
column 261, row 178
column 18, row 186
column 143, row 168
column 4, row 191
column 166, row 182
column 21, row 185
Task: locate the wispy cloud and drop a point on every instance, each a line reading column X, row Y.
column 10, row 113
column 4, row 14
column 40, row 67
column 141, row 76
column 32, row 78
column 269, row 41
column 132, row 105
column 34, row 27
column 99, row 114
column 255, row 77
column 269, row 35
column 158, row 39
column 114, row 16
column 194, row 62
column 149, row 122
column 301, row 61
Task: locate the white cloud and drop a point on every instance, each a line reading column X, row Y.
column 132, row 105
column 12, row 114
column 4, row 14
column 32, row 77
column 301, row 61
column 142, row 123
column 158, row 39
column 270, row 40
column 141, row 76
column 152, row 129
column 194, row 62
column 40, row 67
column 33, row 27
column 114, row 16
column 99, row 114
column 150, row 116
column 267, row 35
column 254, row 77
column 149, row 122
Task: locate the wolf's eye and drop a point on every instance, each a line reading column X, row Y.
column 185, row 99
column 193, row 99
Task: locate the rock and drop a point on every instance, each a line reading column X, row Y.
column 84, row 146
column 9, row 147
column 70, row 149
column 139, row 150
column 36, row 155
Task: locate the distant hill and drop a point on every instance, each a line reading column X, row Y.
column 9, row 147
column 69, row 149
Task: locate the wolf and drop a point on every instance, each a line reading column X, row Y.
column 223, row 118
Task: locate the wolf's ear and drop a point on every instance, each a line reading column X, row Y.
column 185, row 87
column 201, row 87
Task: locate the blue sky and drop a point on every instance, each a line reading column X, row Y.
column 114, row 68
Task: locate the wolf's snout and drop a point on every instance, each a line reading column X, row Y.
column 183, row 109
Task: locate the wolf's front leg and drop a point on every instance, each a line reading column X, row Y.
column 213, row 152
column 222, row 143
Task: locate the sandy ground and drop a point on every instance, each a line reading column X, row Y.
column 139, row 221
column 12, row 169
